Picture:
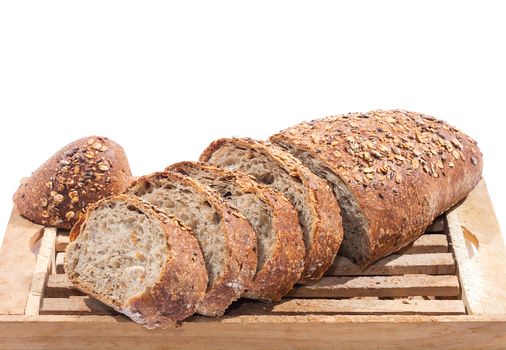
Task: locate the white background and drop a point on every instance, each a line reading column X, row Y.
column 163, row 80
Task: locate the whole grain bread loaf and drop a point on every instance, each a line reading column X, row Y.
column 227, row 240
column 312, row 197
column 280, row 244
column 392, row 171
column 81, row 173
column 132, row 257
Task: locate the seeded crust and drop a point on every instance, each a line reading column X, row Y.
column 285, row 263
column 402, row 169
column 81, row 173
column 240, row 244
column 183, row 277
column 327, row 231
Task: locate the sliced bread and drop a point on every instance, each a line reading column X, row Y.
column 227, row 240
column 318, row 210
column 130, row 256
column 392, row 171
column 280, row 244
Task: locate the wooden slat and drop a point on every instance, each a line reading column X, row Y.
column 351, row 306
column 483, row 276
column 364, row 332
column 44, row 263
column 427, row 243
column 61, row 241
column 74, row 306
column 59, row 269
column 59, row 286
column 17, row 263
column 468, row 274
column 395, row 264
column 380, row 286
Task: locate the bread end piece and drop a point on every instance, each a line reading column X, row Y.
column 226, row 238
column 81, row 173
column 128, row 274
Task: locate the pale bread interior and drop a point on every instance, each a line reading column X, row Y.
column 253, row 208
column 119, row 252
column 355, row 242
column 267, row 171
column 193, row 209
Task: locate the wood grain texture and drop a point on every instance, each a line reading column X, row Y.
column 45, row 259
column 484, row 275
column 360, row 286
column 74, row 306
column 352, row 306
column 280, row 332
column 427, row 243
column 395, row 264
column 291, row 324
column 17, row 263
column 59, row 286
column 82, row 305
column 379, row 286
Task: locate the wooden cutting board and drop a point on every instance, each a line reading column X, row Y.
column 447, row 289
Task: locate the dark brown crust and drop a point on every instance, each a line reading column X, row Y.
column 286, row 262
column 417, row 168
column 79, row 174
column 183, row 278
column 240, row 239
column 327, row 228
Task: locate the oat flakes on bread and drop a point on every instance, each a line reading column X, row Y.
column 392, row 171
column 81, row 173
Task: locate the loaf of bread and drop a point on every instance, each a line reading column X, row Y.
column 132, row 257
column 81, row 173
column 316, row 205
column 257, row 217
column 392, row 171
column 280, row 244
column 227, row 240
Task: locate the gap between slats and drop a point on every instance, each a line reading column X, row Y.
column 331, row 287
column 430, row 264
column 424, row 268
column 434, row 241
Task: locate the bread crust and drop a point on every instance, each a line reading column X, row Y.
column 403, row 168
column 327, row 230
column 286, row 261
column 79, row 174
column 183, row 278
column 240, row 247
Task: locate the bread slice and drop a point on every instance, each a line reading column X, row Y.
column 318, row 210
column 128, row 255
column 392, row 171
column 79, row 174
column 226, row 238
column 280, row 244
